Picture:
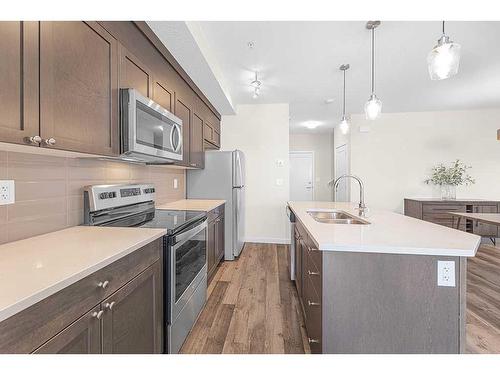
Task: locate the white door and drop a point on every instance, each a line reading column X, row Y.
column 342, row 167
column 301, row 176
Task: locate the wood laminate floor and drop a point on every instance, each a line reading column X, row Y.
column 483, row 301
column 253, row 306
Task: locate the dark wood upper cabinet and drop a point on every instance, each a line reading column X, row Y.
column 184, row 112
column 132, row 322
column 134, row 74
column 163, row 96
column 79, row 87
column 81, row 337
column 19, row 81
column 197, row 155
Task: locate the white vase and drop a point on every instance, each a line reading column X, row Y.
column 448, row 192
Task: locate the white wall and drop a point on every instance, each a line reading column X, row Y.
column 322, row 146
column 261, row 132
column 396, row 155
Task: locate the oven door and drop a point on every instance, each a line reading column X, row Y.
column 148, row 128
column 188, row 258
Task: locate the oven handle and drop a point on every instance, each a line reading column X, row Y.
column 182, row 237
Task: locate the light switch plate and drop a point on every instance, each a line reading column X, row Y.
column 7, row 192
column 445, row 273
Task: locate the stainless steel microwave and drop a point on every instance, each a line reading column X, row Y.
column 149, row 133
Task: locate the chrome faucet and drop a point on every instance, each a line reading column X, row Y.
column 362, row 207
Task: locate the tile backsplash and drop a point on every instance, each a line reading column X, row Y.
column 49, row 189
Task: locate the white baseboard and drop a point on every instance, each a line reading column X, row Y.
column 283, row 241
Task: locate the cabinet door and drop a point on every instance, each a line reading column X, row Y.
column 196, row 152
column 81, row 337
column 79, row 87
column 219, row 239
column 211, row 243
column 162, row 95
column 134, row 74
column 482, row 229
column 183, row 111
column 133, row 316
column 19, row 79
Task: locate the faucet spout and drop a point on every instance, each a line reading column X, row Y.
column 335, row 183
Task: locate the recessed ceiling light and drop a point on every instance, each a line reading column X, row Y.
column 311, row 124
column 251, row 44
column 329, row 101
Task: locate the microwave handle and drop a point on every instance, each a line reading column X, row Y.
column 177, row 128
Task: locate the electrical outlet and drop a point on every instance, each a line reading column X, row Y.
column 446, row 273
column 176, row 183
column 7, row 192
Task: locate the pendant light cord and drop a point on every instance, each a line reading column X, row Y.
column 443, row 27
column 373, row 60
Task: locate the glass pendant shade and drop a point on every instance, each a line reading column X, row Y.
column 344, row 125
column 373, row 107
column 444, row 59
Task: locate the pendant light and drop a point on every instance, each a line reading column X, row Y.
column 444, row 58
column 256, row 86
column 344, row 122
column 373, row 106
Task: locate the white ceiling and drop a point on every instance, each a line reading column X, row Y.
column 298, row 64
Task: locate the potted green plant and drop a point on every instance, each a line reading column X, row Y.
column 448, row 178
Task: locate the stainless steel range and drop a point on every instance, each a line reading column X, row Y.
column 184, row 249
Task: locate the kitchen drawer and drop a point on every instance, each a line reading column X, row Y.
column 442, row 208
column 30, row 328
column 314, row 273
column 313, row 314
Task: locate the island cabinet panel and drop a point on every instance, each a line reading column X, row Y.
column 388, row 303
column 132, row 320
column 298, row 262
column 19, row 77
column 50, row 320
column 78, row 87
column 81, row 337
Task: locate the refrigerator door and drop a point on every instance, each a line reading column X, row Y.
column 238, row 220
column 238, row 169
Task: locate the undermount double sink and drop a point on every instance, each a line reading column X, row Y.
column 335, row 217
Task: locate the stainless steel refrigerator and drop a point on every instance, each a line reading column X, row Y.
column 223, row 178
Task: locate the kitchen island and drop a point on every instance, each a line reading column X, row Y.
column 391, row 284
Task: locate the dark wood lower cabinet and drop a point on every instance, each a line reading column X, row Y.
column 215, row 240
column 81, row 337
column 132, row 319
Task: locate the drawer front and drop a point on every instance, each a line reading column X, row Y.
column 314, row 271
column 313, row 315
column 30, row 328
column 442, row 208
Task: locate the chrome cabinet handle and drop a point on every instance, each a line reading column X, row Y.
column 192, row 165
column 109, row 305
column 312, row 303
column 35, row 140
column 103, row 284
column 50, row 141
column 98, row 314
column 313, row 273
column 312, row 341
column 311, row 250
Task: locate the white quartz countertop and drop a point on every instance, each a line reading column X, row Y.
column 192, row 205
column 37, row 267
column 388, row 232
